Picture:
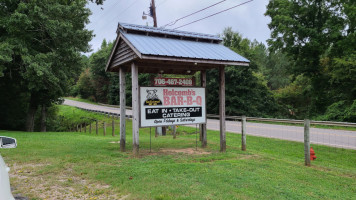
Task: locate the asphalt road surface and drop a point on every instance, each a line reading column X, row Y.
column 329, row 137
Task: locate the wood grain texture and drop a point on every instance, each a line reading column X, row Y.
column 122, row 74
column 243, row 133
column 307, row 142
column 135, row 109
column 222, row 109
column 204, row 141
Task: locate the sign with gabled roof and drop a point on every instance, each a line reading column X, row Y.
column 136, row 42
column 142, row 49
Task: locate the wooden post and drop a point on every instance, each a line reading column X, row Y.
column 104, row 126
column 164, row 131
column 135, row 107
column 85, row 127
column 243, row 133
column 222, row 109
column 122, row 110
column 307, row 142
column 90, row 128
column 113, row 128
column 174, row 132
column 96, row 127
column 203, row 126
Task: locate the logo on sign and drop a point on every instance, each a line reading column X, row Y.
column 152, row 98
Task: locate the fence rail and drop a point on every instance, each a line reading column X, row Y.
column 291, row 121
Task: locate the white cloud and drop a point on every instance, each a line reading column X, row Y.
column 247, row 19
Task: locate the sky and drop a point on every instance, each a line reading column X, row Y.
column 247, row 19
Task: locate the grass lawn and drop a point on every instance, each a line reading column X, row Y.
column 72, row 165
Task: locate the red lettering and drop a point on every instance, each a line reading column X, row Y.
column 173, row 101
column 166, row 100
column 199, row 100
column 189, row 100
column 180, row 100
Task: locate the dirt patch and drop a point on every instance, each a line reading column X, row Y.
column 189, row 151
column 251, row 156
column 33, row 181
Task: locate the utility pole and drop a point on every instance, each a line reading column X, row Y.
column 153, row 13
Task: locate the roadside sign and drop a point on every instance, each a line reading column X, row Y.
column 159, row 81
column 166, row 106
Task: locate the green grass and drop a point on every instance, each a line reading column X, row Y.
column 269, row 169
column 70, row 117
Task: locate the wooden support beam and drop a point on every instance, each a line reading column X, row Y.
column 122, row 109
column 135, row 109
column 204, row 141
column 222, row 109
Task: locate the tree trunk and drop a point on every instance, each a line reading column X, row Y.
column 30, row 120
column 43, row 119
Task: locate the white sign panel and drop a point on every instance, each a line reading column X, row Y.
column 165, row 106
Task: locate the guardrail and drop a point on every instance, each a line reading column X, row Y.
column 291, row 121
column 234, row 118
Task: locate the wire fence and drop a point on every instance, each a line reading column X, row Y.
column 325, row 138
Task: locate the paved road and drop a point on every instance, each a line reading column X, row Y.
column 330, row 137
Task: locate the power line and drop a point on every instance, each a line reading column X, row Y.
column 120, row 13
column 175, row 21
column 125, row 9
column 213, row 14
column 163, row 2
column 107, row 11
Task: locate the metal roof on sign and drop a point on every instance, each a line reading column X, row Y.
column 160, row 46
column 149, row 29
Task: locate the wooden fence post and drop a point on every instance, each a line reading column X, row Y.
column 96, row 127
column 307, row 142
column 104, row 128
column 243, row 133
column 174, row 131
column 113, row 127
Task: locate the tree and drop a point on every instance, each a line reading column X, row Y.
column 43, row 41
column 312, row 33
column 246, row 88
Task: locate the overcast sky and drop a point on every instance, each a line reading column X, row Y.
column 248, row 19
